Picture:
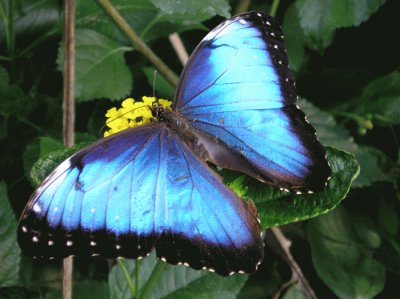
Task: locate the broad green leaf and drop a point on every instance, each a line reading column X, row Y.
column 163, row 88
column 48, row 145
column 18, row 293
column 12, row 99
column 388, row 218
column 37, row 149
column 33, row 19
column 46, row 164
column 147, row 20
column 381, row 99
column 342, row 249
column 374, row 164
column 10, row 254
column 389, row 253
column 101, row 71
column 84, row 290
column 294, row 293
column 276, row 207
column 294, row 38
column 320, row 19
column 208, row 8
column 176, row 281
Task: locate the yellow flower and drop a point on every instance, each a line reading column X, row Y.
column 132, row 114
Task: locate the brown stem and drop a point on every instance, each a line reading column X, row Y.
column 68, row 114
column 140, row 45
column 179, row 47
column 242, row 7
column 69, row 73
column 297, row 274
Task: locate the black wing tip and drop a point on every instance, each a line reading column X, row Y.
column 41, row 242
column 223, row 260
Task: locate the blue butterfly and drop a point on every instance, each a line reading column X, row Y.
column 149, row 187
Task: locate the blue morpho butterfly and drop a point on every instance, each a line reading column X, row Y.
column 149, row 187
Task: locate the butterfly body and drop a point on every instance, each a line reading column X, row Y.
column 149, row 187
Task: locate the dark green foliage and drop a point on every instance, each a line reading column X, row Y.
column 348, row 77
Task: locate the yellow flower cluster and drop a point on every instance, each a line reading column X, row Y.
column 132, row 114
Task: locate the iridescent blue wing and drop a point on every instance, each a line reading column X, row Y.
column 237, row 86
column 135, row 191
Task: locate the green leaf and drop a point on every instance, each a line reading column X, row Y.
column 48, row 145
column 10, row 254
column 343, row 256
column 276, row 207
column 147, row 20
column 85, row 289
column 176, row 281
column 32, row 19
column 42, row 168
column 381, row 99
column 38, row 149
column 18, row 293
column 101, row 71
column 163, row 88
column 389, row 253
column 374, row 164
column 388, row 218
column 12, row 98
column 294, row 38
column 294, row 293
column 320, row 19
column 208, row 8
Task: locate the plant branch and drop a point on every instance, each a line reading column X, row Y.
column 122, row 265
column 297, row 274
column 242, row 7
column 68, row 113
column 140, row 45
column 152, row 279
column 137, row 273
column 179, row 47
column 274, row 8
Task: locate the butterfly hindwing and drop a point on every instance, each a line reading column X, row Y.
column 237, row 86
column 135, row 191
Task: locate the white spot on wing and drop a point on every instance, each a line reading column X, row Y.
column 50, row 243
column 93, row 243
column 37, row 208
column 24, row 229
column 241, row 21
column 69, row 243
column 35, row 239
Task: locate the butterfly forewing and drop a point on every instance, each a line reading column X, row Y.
column 238, row 87
column 139, row 190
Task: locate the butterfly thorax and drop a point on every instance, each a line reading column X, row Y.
column 205, row 146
